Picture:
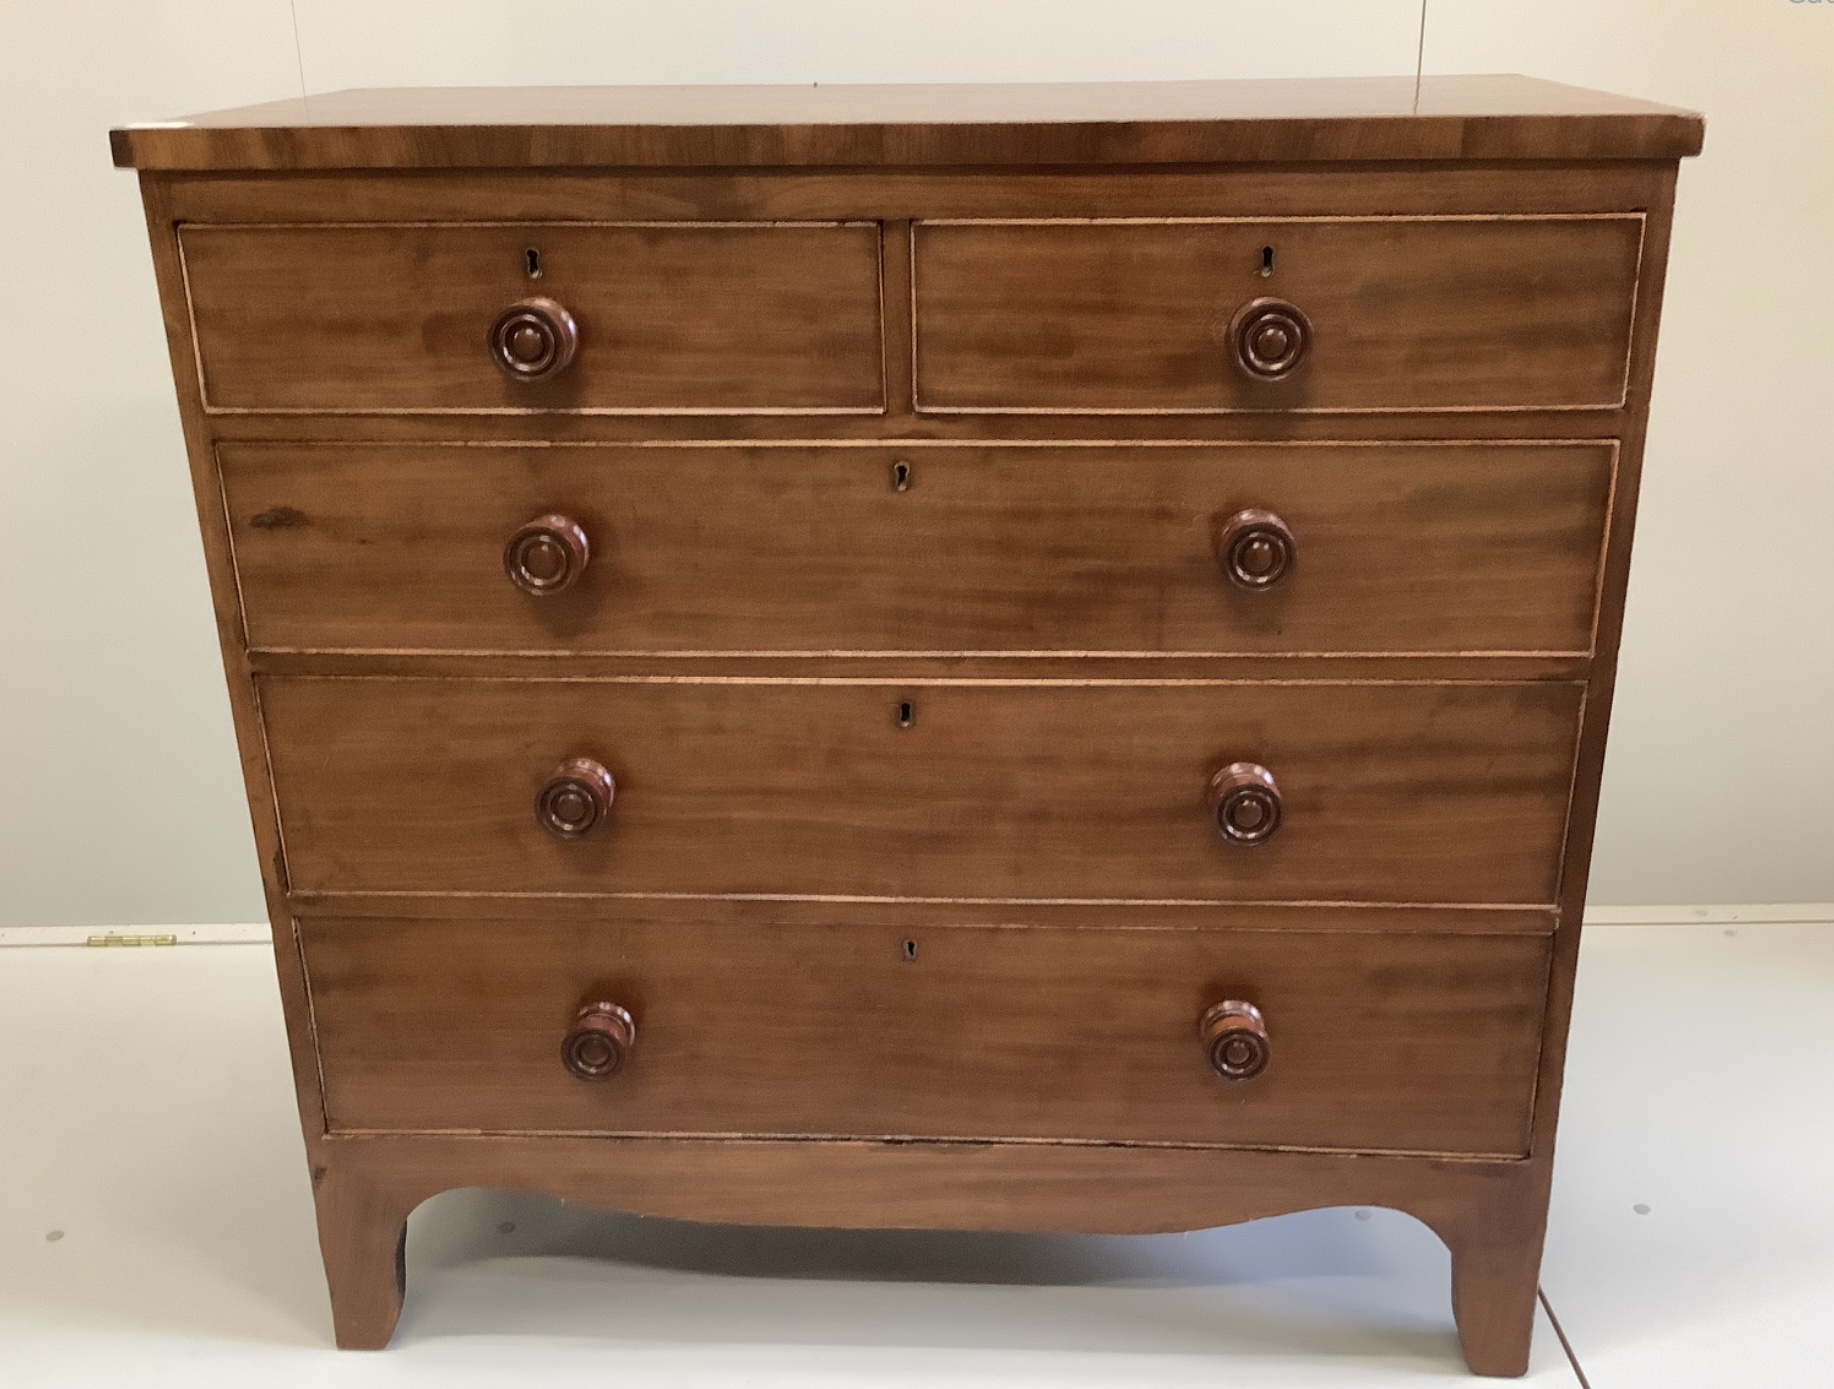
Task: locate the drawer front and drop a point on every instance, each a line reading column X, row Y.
column 713, row 318
column 1389, row 792
column 1405, row 313
column 1376, row 1041
column 1396, row 548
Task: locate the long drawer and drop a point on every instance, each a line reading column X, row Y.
column 713, row 317
column 1375, row 1041
column 1405, row 313
column 1394, row 547
column 1390, row 792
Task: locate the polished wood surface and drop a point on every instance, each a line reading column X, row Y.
column 1396, row 548
column 1286, row 119
column 1490, row 1215
column 1390, row 793
column 708, row 318
column 1482, row 570
column 1402, row 314
column 893, row 196
column 1328, row 918
column 980, row 1033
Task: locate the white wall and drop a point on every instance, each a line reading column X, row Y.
column 1719, row 786
column 119, row 794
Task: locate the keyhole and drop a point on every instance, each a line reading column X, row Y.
column 901, row 476
column 910, row 950
column 1267, row 261
column 907, row 713
column 531, row 260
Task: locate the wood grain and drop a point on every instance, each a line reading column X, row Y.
column 674, row 317
column 1490, row 759
column 1490, row 1214
column 1288, row 119
column 1396, row 793
column 1028, row 549
column 1406, row 314
column 1270, row 191
column 1304, row 917
column 1073, row 666
column 1380, row 1041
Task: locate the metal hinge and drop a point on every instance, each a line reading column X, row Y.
column 116, row 938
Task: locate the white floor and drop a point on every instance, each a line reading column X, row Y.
column 156, row 1228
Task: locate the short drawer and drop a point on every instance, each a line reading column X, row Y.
column 707, row 318
column 1398, row 313
column 1390, row 548
column 1373, row 1041
column 1387, row 792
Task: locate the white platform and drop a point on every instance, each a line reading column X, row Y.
column 156, row 1227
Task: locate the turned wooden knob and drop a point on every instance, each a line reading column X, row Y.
column 547, row 555
column 575, row 798
column 1256, row 549
column 534, row 339
column 600, row 1038
column 1270, row 338
column 1235, row 1039
column 1246, row 803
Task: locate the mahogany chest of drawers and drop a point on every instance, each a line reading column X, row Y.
column 1026, row 658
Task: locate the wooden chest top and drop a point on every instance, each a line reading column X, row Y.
column 1283, row 120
